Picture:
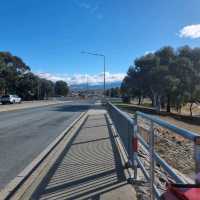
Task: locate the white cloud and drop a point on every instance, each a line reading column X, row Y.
column 95, row 9
column 92, row 7
column 82, row 78
column 85, row 5
column 148, row 52
column 190, row 31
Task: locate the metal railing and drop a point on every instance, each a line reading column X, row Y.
column 129, row 131
column 124, row 126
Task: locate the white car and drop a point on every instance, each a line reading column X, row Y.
column 10, row 99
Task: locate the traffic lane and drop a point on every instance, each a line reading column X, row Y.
column 25, row 133
column 13, row 118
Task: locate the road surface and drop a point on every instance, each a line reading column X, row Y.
column 25, row 133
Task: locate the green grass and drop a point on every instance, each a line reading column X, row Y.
column 148, row 105
column 124, row 106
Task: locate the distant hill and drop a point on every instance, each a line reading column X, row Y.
column 94, row 86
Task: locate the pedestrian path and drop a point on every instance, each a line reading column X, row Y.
column 90, row 168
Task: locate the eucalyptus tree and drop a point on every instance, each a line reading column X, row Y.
column 16, row 77
column 61, row 88
column 169, row 77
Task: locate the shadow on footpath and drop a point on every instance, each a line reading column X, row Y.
column 86, row 169
column 72, row 108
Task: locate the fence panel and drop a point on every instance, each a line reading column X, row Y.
column 144, row 131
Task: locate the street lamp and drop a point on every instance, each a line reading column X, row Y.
column 104, row 67
column 87, row 85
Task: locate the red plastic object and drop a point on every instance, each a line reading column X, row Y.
column 182, row 192
column 135, row 144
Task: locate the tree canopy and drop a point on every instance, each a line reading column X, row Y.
column 113, row 92
column 61, row 88
column 16, row 78
column 168, row 77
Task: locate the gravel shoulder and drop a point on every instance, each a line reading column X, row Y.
column 188, row 126
column 179, row 123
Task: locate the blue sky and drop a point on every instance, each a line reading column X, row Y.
column 49, row 35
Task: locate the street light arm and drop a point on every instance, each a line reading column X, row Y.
column 104, row 67
column 94, row 54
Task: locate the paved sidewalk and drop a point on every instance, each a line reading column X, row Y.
column 90, row 168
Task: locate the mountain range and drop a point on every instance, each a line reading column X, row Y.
column 99, row 86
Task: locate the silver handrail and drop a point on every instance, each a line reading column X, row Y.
column 123, row 122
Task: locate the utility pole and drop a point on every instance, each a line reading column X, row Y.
column 104, row 68
column 87, row 84
column 104, row 77
column 38, row 90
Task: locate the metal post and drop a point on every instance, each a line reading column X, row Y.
column 38, row 90
column 87, row 85
column 130, row 135
column 151, row 151
column 135, row 153
column 197, row 154
column 129, row 143
column 104, row 76
column 104, row 68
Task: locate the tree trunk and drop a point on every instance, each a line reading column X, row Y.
column 168, row 104
column 154, row 97
column 162, row 103
column 154, row 100
column 142, row 100
column 191, row 104
column 179, row 109
column 139, row 100
column 158, row 104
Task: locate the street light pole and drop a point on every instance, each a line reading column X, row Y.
column 87, row 84
column 104, row 68
column 104, row 77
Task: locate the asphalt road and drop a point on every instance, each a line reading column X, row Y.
column 25, row 133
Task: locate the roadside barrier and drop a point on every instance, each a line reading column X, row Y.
column 125, row 128
column 130, row 132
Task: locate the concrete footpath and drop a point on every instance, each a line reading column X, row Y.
column 90, row 168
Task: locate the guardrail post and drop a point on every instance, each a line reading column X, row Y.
column 129, row 141
column 197, row 154
column 130, row 153
column 135, row 147
column 152, row 166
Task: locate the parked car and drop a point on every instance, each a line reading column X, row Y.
column 10, row 99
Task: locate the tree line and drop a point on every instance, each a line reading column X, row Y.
column 113, row 92
column 16, row 78
column 169, row 77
